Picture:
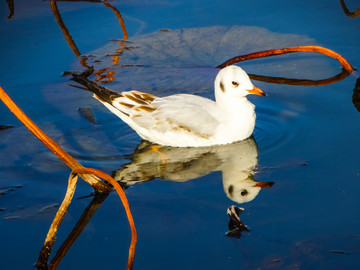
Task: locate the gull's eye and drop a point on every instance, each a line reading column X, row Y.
column 244, row 192
column 236, row 84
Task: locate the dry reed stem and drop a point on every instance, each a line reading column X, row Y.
column 79, row 227
column 88, row 175
column 347, row 12
column 92, row 180
column 317, row 49
column 124, row 200
column 50, row 237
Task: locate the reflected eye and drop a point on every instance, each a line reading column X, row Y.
column 244, row 192
column 236, row 84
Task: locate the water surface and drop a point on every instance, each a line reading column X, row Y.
column 305, row 140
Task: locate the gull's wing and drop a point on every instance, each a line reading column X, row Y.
column 144, row 112
column 182, row 112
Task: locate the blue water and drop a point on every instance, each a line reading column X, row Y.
column 307, row 139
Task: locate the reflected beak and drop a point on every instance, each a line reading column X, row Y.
column 257, row 91
column 264, row 184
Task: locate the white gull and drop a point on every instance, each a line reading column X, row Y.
column 184, row 120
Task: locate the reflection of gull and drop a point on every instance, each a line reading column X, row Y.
column 187, row 120
column 237, row 162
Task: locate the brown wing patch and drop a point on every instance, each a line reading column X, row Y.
column 126, row 105
column 176, row 127
column 136, row 94
column 148, row 97
column 184, row 128
column 135, row 99
column 145, row 108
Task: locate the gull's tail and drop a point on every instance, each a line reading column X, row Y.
column 101, row 93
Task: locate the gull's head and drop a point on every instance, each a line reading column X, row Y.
column 233, row 81
column 244, row 190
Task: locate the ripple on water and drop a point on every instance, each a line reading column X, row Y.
column 276, row 127
column 102, row 144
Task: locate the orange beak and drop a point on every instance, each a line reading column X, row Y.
column 264, row 184
column 257, row 91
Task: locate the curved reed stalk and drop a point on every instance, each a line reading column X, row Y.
column 77, row 230
column 92, row 180
column 88, row 174
column 60, row 214
column 317, row 49
column 347, row 12
column 124, row 200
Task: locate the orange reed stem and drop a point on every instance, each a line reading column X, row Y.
column 347, row 12
column 49, row 143
column 88, row 174
column 317, row 49
column 125, row 202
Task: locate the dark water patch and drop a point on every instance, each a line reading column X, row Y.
column 5, row 190
column 3, row 127
column 32, row 212
column 87, row 114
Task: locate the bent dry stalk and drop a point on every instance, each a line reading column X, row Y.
column 83, row 221
column 60, row 214
column 89, row 175
column 123, row 198
column 92, row 180
column 317, row 49
column 347, row 12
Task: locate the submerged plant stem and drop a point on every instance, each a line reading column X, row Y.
column 119, row 17
column 11, row 8
column 280, row 80
column 65, row 31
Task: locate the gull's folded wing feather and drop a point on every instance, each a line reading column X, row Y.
column 178, row 112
